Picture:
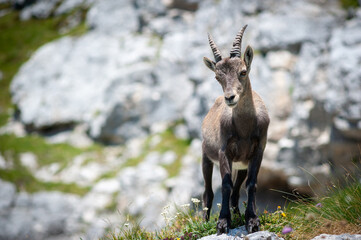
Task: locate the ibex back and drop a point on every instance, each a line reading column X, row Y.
column 234, row 135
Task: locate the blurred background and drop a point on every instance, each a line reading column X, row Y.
column 102, row 101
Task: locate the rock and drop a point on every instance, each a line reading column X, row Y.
column 108, row 186
column 40, row 216
column 150, row 201
column 82, row 174
column 275, row 32
column 148, row 12
column 324, row 121
column 181, row 131
column 29, row 160
column 343, row 96
column 168, row 157
column 280, row 60
column 48, row 172
column 106, row 112
column 242, row 234
column 40, row 9
column 174, row 21
column 76, row 136
column 13, row 127
column 68, row 5
column 20, row 4
column 337, row 237
column 2, row 162
column 78, row 171
column 189, row 5
column 17, row 225
column 7, row 192
column 113, row 17
column 51, row 211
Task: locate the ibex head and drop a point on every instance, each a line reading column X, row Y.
column 231, row 72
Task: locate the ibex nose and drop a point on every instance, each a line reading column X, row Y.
column 230, row 98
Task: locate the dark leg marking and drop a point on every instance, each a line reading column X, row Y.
column 224, row 220
column 252, row 221
column 207, row 168
column 241, row 175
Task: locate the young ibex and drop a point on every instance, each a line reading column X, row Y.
column 234, row 135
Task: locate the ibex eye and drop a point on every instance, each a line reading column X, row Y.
column 243, row 73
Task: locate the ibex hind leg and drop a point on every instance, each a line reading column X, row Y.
column 207, row 168
column 240, row 177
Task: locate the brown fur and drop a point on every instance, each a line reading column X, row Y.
column 234, row 131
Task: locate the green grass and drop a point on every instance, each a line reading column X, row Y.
column 349, row 4
column 12, row 146
column 25, row 181
column 338, row 212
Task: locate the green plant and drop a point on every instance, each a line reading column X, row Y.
column 12, row 147
column 336, row 213
column 349, row 4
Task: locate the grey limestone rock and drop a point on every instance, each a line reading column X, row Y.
column 337, row 237
column 113, row 17
column 242, row 234
column 7, row 193
column 40, row 9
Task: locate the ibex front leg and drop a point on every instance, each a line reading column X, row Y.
column 224, row 220
column 207, row 168
column 252, row 221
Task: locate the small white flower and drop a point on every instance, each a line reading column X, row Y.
column 185, row 205
column 205, row 209
column 219, row 205
column 195, row 200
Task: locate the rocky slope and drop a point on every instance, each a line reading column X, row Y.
column 139, row 69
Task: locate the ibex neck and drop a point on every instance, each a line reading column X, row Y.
column 244, row 114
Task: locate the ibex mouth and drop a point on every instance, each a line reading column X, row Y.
column 231, row 104
column 232, row 100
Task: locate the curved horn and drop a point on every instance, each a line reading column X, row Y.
column 236, row 49
column 216, row 52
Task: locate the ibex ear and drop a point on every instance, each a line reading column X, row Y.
column 209, row 63
column 248, row 56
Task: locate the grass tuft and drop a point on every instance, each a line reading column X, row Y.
column 12, row 146
column 338, row 212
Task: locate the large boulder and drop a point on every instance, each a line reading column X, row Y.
column 7, row 191
column 40, row 216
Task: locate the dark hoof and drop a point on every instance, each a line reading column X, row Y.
column 223, row 225
column 253, row 225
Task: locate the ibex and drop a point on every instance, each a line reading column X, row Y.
column 234, row 135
